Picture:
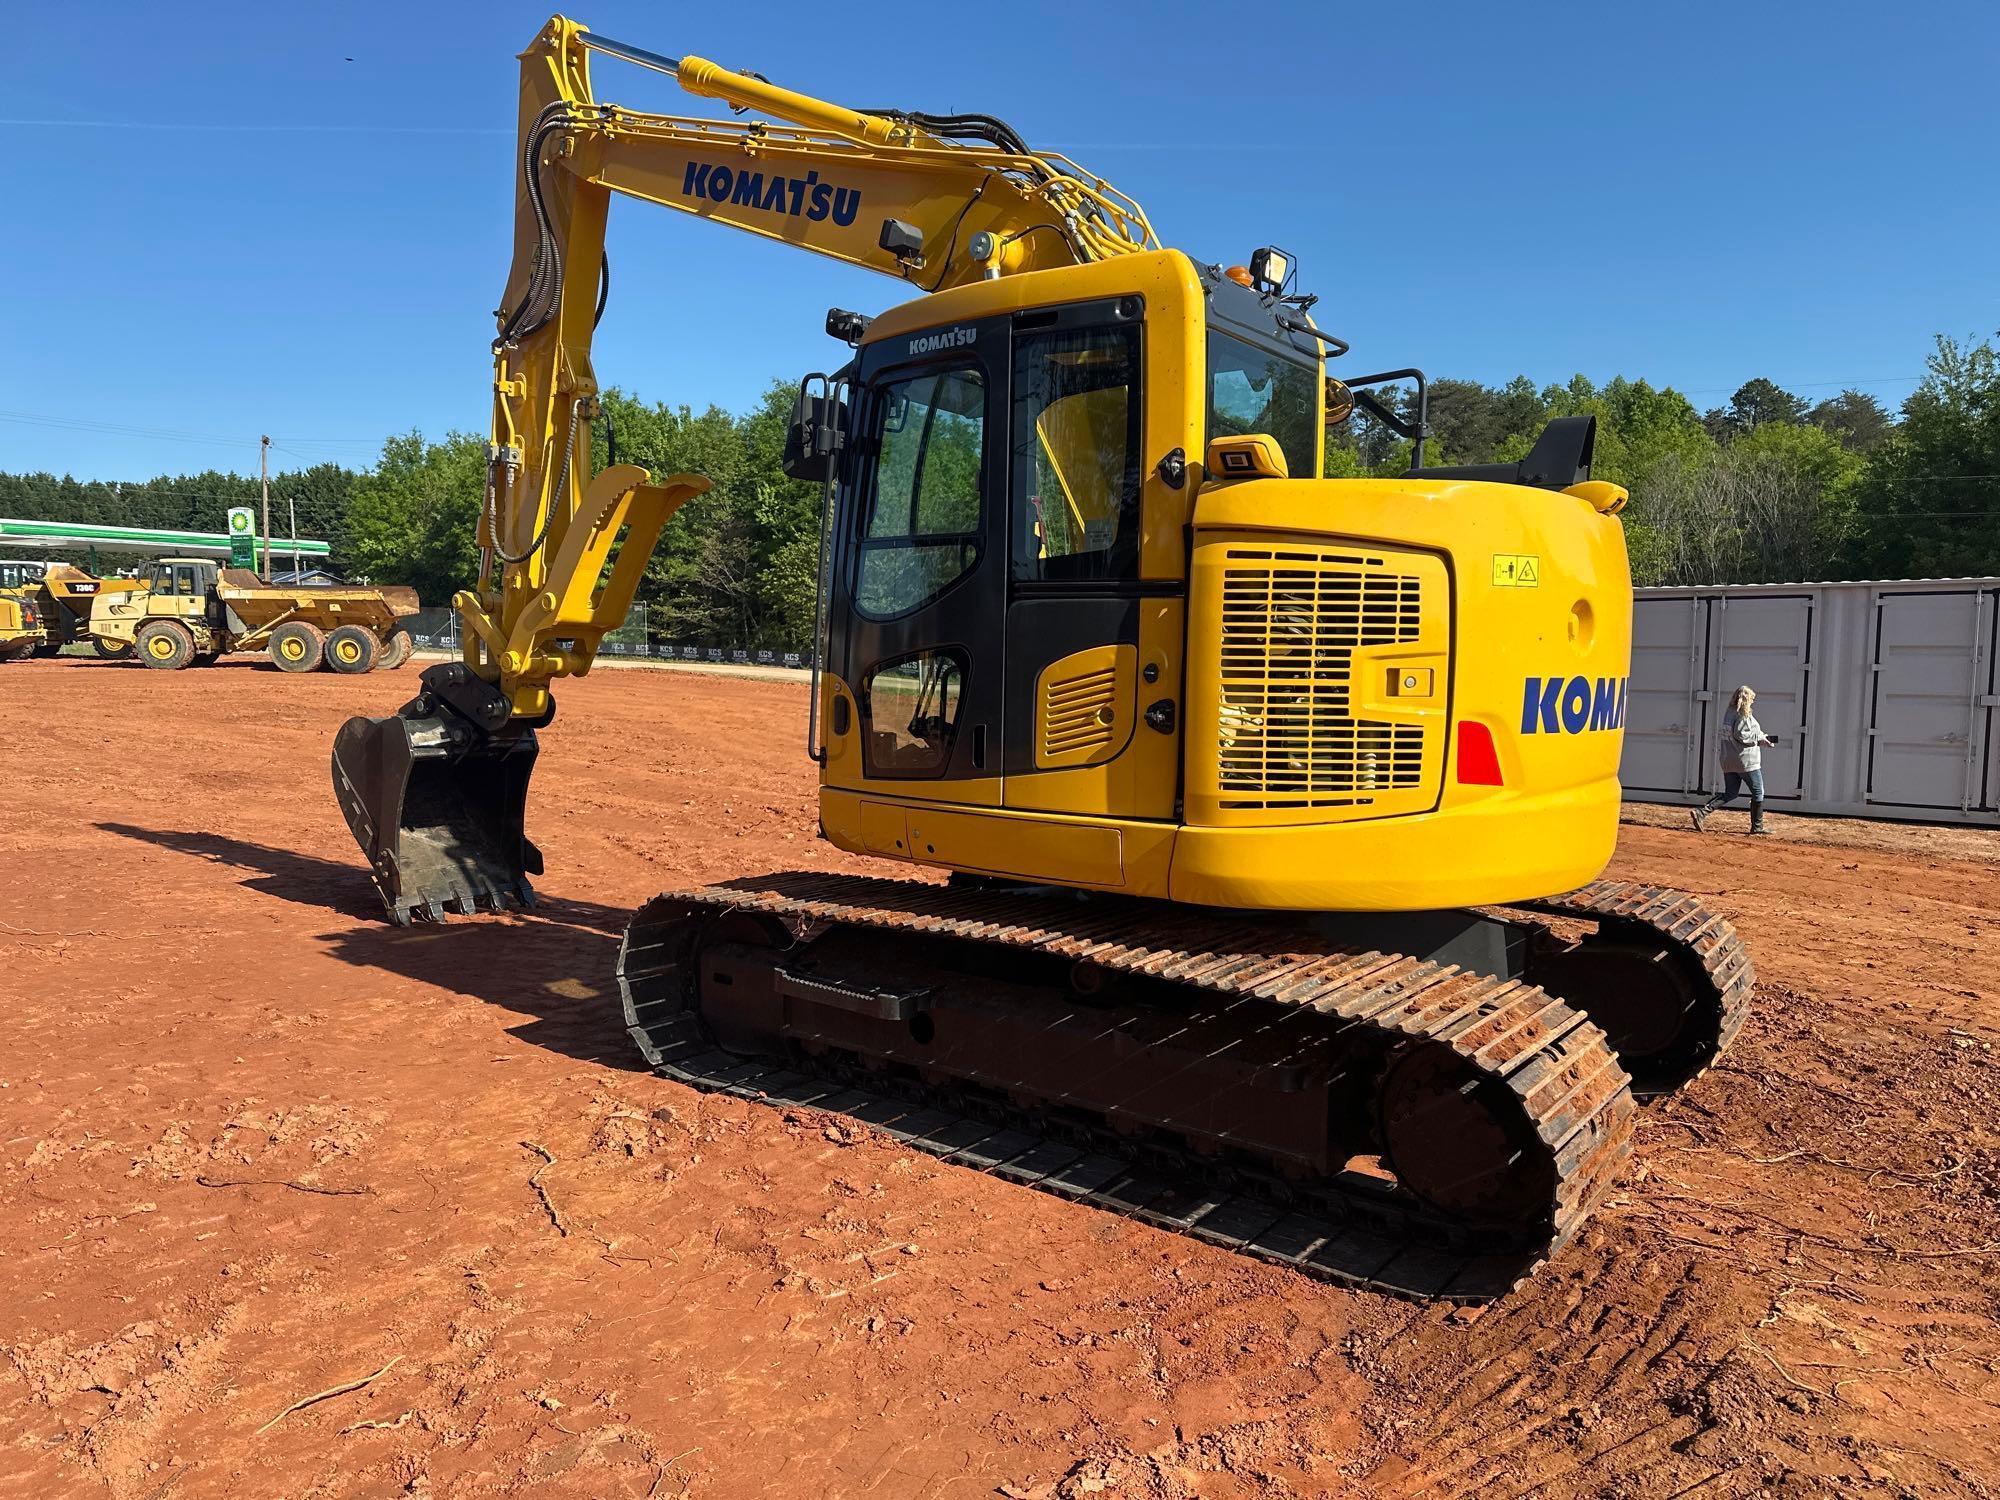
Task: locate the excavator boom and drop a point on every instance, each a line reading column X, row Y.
column 435, row 795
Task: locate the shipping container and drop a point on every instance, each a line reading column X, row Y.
column 1881, row 695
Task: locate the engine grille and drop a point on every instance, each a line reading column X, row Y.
column 1290, row 623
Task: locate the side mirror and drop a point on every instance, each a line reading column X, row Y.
column 816, row 434
column 1339, row 402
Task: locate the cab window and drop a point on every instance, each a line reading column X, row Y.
column 1252, row 390
column 1076, row 454
column 921, row 514
column 909, row 709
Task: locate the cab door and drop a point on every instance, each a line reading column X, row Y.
column 1092, row 647
column 176, row 591
column 919, row 573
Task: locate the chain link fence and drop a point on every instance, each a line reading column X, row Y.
column 437, row 630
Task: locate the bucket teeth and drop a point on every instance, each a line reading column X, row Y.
column 436, row 801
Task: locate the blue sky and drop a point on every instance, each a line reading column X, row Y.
column 218, row 226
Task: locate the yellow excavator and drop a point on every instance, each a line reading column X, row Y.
column 1272, row 807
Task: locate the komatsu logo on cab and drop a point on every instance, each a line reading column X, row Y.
column 950, row 338
column 796, row 197
column 1572, row 705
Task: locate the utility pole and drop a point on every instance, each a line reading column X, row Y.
column 264, row 464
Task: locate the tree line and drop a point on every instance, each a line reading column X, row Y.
column 1768, row 488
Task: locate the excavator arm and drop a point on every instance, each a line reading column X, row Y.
column 884, row 191
column 436, row 795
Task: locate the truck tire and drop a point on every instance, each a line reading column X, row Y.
column 165, row 645
column 397, row 648
column 109, row 649
column 352, row 649
column 297, row 646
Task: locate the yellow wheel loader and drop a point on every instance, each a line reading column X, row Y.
column 188, row 610
column 21, row 632
column 1273, row 806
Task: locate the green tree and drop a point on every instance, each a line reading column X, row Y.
column 413, row 518
column 734, row 567
column 1467, row 421
column 1928, row 503
column 1773, row 506
column 190, row 502
column 1759, row 401
column 1858, row 420
column 1637, row 425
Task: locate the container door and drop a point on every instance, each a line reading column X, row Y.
column 1986, row 722
column 1927, row 742
column 1765, row 640
column 1662, row 719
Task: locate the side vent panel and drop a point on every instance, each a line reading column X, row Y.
column 1084, row 707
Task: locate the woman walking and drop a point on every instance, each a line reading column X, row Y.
column 1741, row 743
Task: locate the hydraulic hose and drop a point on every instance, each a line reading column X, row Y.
column 543, row 293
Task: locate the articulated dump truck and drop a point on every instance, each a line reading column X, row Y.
column 190, row 610
column 62, row 597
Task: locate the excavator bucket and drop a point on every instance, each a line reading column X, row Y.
column 436, row 796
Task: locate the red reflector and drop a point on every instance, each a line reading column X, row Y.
column 1478, row 761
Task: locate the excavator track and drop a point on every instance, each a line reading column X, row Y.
column 1498, row 1114
column 1665, row 976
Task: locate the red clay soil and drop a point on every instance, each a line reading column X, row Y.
column 256, row 1146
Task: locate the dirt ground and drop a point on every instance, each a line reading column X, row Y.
column 256, row 1145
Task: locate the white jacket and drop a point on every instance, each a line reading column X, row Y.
column 1741, row 743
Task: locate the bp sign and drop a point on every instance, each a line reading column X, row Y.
column 242, row 537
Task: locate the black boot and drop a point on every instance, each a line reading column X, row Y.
column 1699, row 816
column 1757, row 817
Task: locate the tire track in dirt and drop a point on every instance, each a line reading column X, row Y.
column 1786, row 1292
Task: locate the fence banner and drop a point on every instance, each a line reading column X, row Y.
column 437, row 630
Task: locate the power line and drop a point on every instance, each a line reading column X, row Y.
column 306, row 458
column 255, row 127
column 85, row 424
column 128, row 489
column 1854, row 383
column 1935, row 478
column 167, row 435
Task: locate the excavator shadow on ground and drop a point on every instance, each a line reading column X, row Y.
column 530, row 962
column 554, row 963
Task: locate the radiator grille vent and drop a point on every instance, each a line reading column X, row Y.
column 1078, row 714
column 1290, row 623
